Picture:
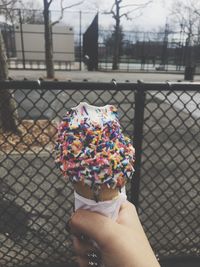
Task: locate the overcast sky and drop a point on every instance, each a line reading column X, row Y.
column 152, row 16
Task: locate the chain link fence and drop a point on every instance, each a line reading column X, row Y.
column 163, row 121
column 164, row 50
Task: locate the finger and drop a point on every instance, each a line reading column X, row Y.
column 94, row 225
column 82, row 248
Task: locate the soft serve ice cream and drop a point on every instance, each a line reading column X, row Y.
column 93, row 153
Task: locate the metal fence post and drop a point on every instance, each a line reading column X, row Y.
column 80, row 42
column 22, row 39
column 137, row 138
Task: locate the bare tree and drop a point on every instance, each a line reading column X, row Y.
column 48, row 24
column 8, row 112
column 48, row 39
column 7, row 9
column 29, row 11
column 187, row 15
column 8, row 109
column 119, row 10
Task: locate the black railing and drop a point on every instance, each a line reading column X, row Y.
column 163, row 120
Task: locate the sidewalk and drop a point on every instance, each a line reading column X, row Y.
column 97, row 76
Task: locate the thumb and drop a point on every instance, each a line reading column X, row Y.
column 94, row 225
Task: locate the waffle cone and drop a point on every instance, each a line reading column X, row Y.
column 105, row 193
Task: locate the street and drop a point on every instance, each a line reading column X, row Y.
column 96, row 76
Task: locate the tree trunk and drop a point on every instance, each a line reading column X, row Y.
column 115, row 64
column 48, row 41
column 8, row 112
column 189, row 60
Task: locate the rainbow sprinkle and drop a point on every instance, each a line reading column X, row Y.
column 92, row 149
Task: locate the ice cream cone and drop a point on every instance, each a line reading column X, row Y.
column 104, row 193
column 96, row 157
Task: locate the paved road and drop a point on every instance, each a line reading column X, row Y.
column 100, row 76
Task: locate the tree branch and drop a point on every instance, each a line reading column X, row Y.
column 135, row 16
column 117, row 2
column 49, row 3
column 8, row 9
column 112, row 6
column 138, row 5
column 76, row 4
column 197, row 12
column 5, row 4
column 131, row 11
column 125, row 14
column 63, row 8
column 110, row 13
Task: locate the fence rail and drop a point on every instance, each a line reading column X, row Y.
column 162, row 119
column 85, row 85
